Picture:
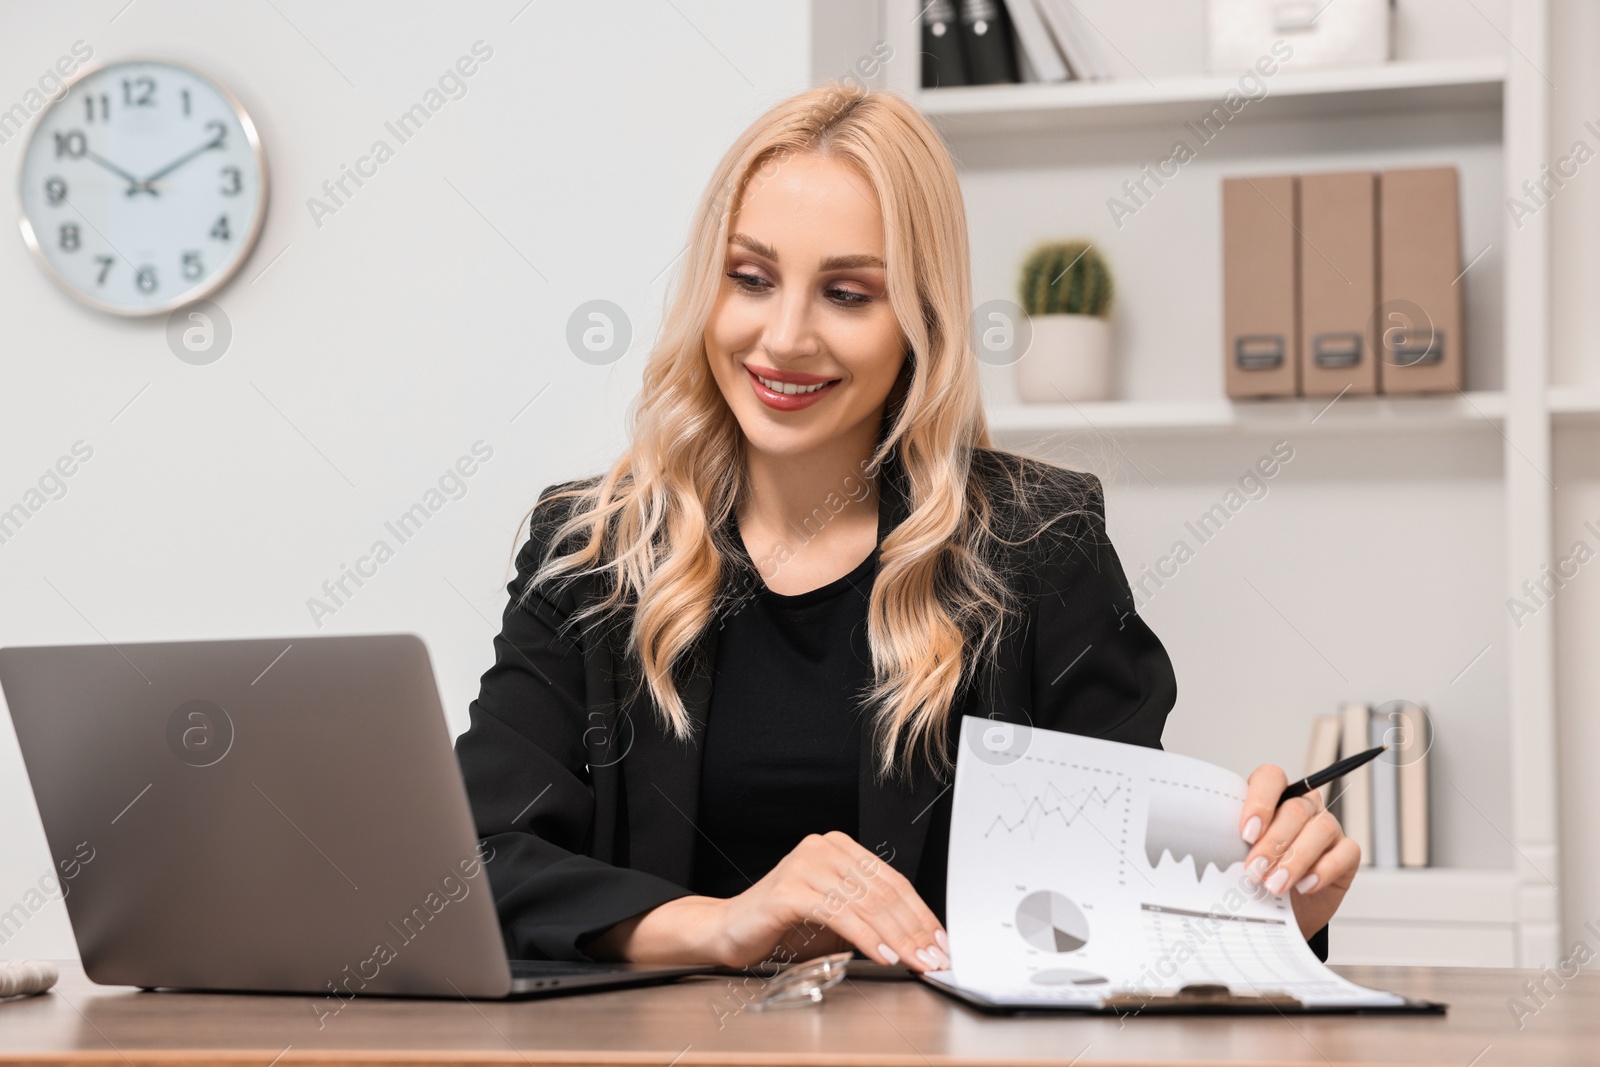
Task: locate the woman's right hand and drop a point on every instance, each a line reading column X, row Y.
column 828, row 892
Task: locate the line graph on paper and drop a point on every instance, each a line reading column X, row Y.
column 1063, row 808
column 1194, row 825
column 1078, row 815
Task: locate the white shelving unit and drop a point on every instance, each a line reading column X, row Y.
column 1570, row 403
column 1487, row 107
column 1066, row 106
column 1466, row 412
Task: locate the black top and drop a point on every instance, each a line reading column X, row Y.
column 782, row 743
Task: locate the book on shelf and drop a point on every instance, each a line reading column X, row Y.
column 1075, row 39
column 1355, row 792
column 988, row 42
column 1323, row 752
column 1037, row 54
column 1412, row 737
column 1382, row 805
column 1385, row 799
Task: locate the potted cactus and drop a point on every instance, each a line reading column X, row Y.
column 1066, row 290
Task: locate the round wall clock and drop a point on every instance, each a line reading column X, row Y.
column 144, row 187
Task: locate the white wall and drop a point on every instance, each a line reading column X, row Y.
column 392, row 338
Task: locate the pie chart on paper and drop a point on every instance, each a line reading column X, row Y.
column 1051, row 922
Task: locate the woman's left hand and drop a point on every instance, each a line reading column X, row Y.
column 1298, row 848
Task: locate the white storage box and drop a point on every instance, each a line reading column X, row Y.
column 1321, row 33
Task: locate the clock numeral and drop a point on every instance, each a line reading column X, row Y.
column 71, row 144
column 69, row 237
column 191, row 265
column 105, row 107
column 219, row 133
column 145, row 278
column 220, row 231
column 105, row 268
column 139, row 92
column 233, row 183
column 55, row 190
column 185, row 94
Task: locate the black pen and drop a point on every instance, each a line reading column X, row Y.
column 1318, row 779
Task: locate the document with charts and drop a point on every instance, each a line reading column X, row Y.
column 1083, row 869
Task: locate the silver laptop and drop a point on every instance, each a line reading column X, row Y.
column 268, row 815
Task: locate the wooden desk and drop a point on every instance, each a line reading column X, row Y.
column 881, row 1024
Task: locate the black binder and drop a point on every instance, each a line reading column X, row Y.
column 942, row 60
column 986, row 39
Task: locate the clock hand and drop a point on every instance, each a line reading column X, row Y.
column 215, row 142
column 134, row 184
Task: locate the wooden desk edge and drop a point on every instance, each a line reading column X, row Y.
column 292, row 1057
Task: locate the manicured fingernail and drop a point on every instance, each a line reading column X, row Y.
column 1257, row 868
column 941, row 962
column 1279, row 879
column 1306, row 884
column 944, row 942
column 927, row 960
column 888, row 953
column 1252, row 830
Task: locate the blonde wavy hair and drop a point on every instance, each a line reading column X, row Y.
column 649, row 525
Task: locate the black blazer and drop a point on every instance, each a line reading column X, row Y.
column 589, row 805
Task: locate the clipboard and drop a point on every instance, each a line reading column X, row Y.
column 1036, row 931
column 1192, row 999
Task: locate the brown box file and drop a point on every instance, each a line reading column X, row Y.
column 1338, row 283
column 1419, row 236
column 1259, row 273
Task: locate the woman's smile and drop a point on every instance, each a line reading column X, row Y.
column 788, row 390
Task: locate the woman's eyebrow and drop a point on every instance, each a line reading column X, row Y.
column 849, row 262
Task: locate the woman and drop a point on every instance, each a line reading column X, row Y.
column 720, row 724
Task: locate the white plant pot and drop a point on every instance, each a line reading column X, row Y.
column 1068, row 360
